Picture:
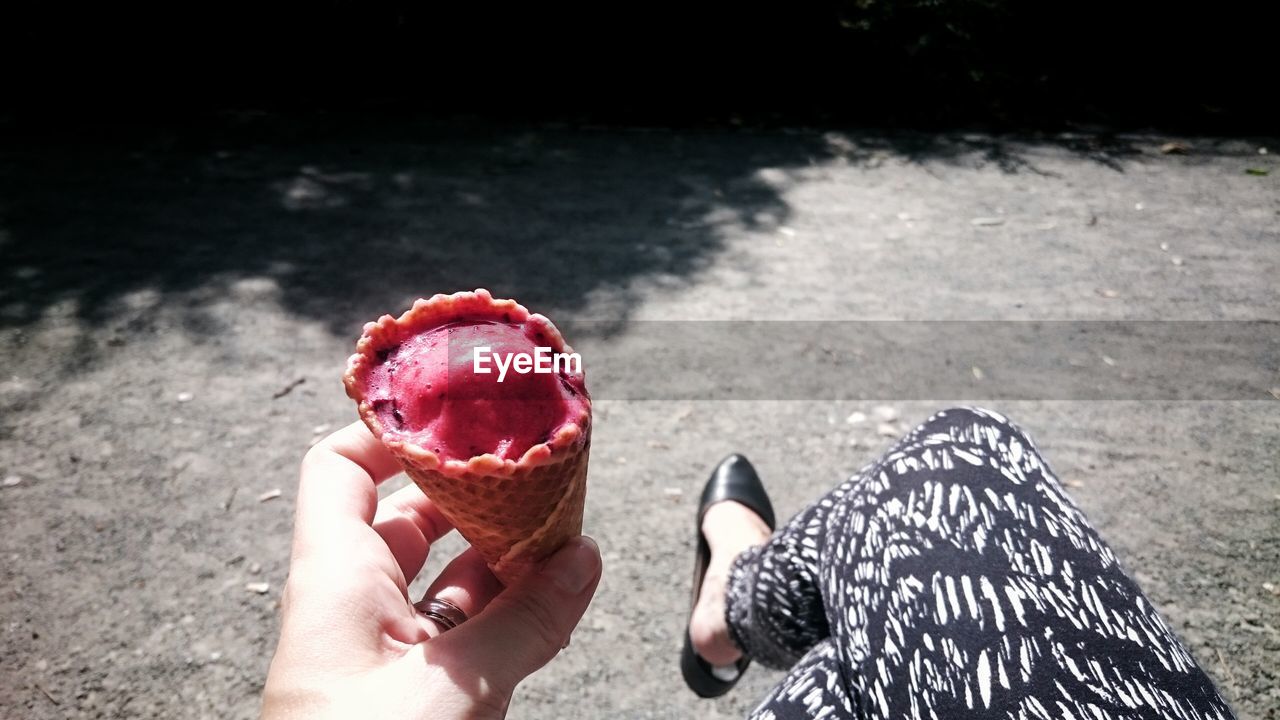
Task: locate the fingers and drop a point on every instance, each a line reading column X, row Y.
column 338, row 488
column 409, row 523
column 527, row 624
column 467, row 583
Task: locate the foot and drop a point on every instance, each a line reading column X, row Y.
column 729, row 528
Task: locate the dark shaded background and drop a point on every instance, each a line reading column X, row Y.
column 929, row 63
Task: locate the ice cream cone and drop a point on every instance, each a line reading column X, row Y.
column 513, row 521
column 515, row 511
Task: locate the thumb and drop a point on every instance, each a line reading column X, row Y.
column 524, row 627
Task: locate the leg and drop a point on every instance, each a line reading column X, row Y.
column 814, row 689
column 960, row 580
column 775, row 608
column 955, row 577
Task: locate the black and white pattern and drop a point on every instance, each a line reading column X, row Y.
column 954, row 578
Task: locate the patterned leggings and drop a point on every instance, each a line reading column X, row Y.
column 954, row 578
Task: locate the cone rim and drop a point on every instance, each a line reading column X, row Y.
column 425, row 314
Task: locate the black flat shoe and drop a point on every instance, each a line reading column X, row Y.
column 733, row 479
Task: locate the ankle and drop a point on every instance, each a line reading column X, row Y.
column 709, row 628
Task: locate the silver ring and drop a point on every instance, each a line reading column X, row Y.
column 445, row 613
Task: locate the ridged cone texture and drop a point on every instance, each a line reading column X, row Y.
column 514, row 521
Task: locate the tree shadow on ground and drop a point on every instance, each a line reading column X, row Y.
column 353, row 219
column 356, row 217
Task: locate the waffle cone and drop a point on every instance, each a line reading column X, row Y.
column 514, row 512
column 513, row 521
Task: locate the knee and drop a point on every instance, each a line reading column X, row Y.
column 970, row 422
column 956, row 418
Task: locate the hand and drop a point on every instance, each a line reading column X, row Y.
column 351, row 642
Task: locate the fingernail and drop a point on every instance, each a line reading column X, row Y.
column 575, row 565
